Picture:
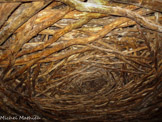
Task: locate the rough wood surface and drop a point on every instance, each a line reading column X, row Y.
column 8, row 8
column 76, row 60
column 151, row 4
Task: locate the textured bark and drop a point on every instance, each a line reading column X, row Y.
column 92, row 7
column 43, row 20
column 20, row 16
column 78, row 62
column 151, row 4
column 8, row 8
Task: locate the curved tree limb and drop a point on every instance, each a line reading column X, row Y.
column 151, row 4
column 91, row 7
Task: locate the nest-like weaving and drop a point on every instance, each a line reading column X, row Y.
column 61, row 64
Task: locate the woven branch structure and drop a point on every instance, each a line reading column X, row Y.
column 77, row 60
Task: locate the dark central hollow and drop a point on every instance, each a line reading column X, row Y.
column 91, row 85
column 92, row 81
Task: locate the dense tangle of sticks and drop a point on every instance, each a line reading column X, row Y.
column 75, row 60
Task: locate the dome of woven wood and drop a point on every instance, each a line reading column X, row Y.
column 60, row 62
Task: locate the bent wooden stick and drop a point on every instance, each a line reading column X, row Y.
column 91, row 7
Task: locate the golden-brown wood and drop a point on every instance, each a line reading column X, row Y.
column 151, row 4
column 76, row 60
